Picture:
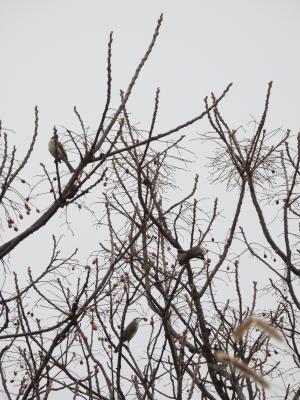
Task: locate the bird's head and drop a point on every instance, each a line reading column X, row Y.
column 138, row 320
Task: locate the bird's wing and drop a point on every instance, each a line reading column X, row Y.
column 61, row 150
column 130, row 331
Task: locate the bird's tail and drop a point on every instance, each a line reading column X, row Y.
column 71, row 169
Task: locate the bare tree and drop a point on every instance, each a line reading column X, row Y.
column 159, row 260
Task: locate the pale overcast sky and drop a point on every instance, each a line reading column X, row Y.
column 53, row 54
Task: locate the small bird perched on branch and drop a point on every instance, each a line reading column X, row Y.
column 185, row 256
column 129, row 332
column 57, row 150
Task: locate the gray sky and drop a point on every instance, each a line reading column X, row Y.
column 53, row 54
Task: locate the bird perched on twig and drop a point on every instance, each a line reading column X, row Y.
column 129, row 332
column 185, row 256
column 57, row 150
